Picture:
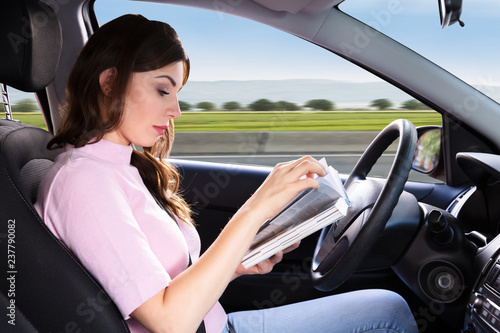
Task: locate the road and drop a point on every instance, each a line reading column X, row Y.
column 341, row 149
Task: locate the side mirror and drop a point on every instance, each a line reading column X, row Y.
column 428, row 158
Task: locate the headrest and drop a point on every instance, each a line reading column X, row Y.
column 30, row 44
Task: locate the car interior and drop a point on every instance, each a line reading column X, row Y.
column 435, row 243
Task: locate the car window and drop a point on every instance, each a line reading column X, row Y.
column 236, row 71
column 24, row 108
column 257, row 95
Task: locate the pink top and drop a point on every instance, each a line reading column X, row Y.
column 97, row 204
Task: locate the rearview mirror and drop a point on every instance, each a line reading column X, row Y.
column 428, row 151
column 449, row 12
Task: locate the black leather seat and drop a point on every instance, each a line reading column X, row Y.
column 49, row 288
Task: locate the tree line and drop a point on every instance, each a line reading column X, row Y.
column 29, row 105
column 315, row 104
column 24, row 105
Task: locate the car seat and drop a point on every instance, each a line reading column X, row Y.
column 43, row 287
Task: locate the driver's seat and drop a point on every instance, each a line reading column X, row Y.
column 43, row 288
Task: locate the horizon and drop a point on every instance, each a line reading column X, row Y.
column 343, row 94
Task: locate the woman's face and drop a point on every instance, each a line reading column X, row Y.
column 150, row 103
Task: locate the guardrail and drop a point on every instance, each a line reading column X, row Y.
column 187, row 143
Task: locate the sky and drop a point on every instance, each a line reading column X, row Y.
column 218, row 44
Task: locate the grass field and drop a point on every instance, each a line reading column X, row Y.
column 283, row 121
column 31, row 118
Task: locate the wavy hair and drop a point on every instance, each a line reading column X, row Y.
column 128, row 44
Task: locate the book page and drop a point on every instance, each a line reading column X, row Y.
column 293, row 234
column 305, row 205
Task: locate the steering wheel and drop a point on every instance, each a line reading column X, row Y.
column 342, row 246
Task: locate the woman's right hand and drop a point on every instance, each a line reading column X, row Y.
column 284, row 182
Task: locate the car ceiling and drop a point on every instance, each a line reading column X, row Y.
column 296, row 6
column 289, row 6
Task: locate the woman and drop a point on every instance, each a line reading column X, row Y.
column 119, row 212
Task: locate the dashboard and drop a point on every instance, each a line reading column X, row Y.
column 483, row 307
column 453, row 263
column 478, row 208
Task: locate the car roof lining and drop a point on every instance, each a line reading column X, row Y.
column 289, row 6
column 295, row 6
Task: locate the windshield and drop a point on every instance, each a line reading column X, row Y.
column 471, row 52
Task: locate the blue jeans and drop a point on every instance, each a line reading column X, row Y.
column 374, row 311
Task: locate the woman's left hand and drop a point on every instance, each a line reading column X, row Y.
column 265, row 266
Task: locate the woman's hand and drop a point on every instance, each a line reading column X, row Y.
column 265, row 266
column 284, row 182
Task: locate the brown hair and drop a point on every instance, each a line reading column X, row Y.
column 128, row 44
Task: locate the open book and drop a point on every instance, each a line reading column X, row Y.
column 309, row 211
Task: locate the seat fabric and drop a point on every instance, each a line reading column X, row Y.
column 31, row 42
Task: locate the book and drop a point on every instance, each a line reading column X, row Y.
column 310, row 211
